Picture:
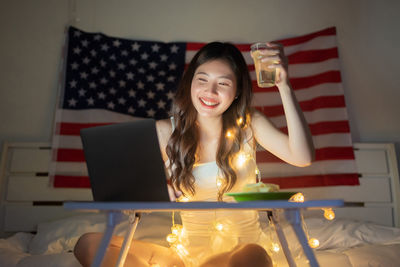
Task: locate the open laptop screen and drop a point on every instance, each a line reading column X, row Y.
column 124, row 162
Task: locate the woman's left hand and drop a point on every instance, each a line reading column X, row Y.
column 173, row 194
column 275, row 53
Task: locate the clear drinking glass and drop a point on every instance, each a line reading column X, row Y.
column 265, row 76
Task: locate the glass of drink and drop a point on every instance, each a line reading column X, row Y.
column 265, row 76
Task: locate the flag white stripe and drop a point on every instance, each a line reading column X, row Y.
column 319, row 115
column 332, row 140
column 68, row 141
column 327, row 140
column 274, row 98
column 310, row 69
column 80, row 168
column 71, row 168
column 319, row 167
column 318, row 43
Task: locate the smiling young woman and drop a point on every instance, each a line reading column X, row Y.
column 212, row 123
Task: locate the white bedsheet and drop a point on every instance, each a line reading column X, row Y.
column 369, row 255
column 342, row 242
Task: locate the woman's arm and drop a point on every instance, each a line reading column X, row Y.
column 164, row 131
column 297, row 147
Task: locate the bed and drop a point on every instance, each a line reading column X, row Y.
column 37, row 231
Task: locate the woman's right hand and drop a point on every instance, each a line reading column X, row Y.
column 173, row 194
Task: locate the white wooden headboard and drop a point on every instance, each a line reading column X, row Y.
column 27, row 198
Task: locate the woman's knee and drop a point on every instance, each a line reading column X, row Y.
column 250, row 255
column 86, row 246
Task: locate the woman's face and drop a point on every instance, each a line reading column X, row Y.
column 213, row 88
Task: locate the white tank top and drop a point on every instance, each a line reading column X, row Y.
column 207, row 175
column 202, row 238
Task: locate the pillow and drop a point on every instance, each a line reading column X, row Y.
column 345, row 233
column 17, row 242
column 341, row 234
column 61, row 235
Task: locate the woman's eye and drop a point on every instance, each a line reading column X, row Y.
column 224, row 84
column 202, row 80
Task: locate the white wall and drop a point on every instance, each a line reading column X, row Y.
column 32, row 35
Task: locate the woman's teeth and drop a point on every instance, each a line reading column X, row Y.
column 209, row 103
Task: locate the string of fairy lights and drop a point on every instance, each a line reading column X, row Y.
column 176, row 237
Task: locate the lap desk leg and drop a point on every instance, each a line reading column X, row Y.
column 113, row 219
column 293, row 216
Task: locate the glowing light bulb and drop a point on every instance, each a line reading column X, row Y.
column 220, row 182
column 275, row 247
column 181, row 250
column 229, row 134
column 176, row 229
column 329, row 214
column 299, row 197
column 313, row 242
column 183, row 199
column 241, row 159
column 239, row 121
column 172, row 238
column 219, row 226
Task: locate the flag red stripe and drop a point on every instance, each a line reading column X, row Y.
column 325, row 127
column 326, row 153
column 67, row 128
column 308, row 105
column 332, row 76
column 323, row 102
column 312, row 56
column 314, row 180
column 328, row 127
column 71, row 181
column 198, row 46
column 194, row 46
column 308, row 37
column 70, row 155
column 285, row 42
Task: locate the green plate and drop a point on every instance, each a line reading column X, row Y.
column 254, row 196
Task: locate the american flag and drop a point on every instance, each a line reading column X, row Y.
column 113, row 80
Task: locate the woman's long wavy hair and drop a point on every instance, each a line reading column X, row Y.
column 183, row 144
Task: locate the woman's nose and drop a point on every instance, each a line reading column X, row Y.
column 212, row 88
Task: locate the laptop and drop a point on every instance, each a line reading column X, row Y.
column 124, row 162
